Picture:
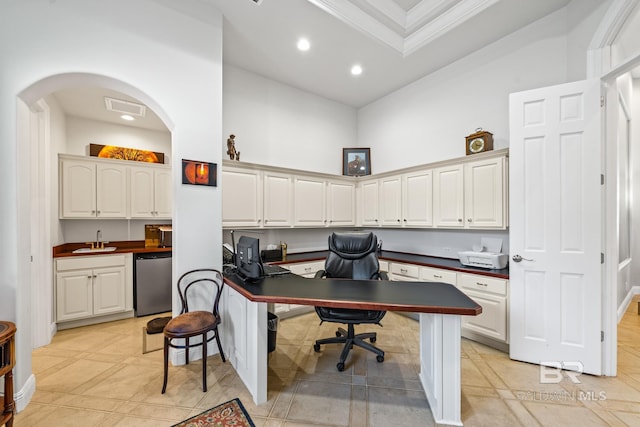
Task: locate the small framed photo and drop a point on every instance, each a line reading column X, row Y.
column 199, row 173
column 356, row 161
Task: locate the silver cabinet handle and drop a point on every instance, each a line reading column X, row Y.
column 481, row 284
column 518, row 258
column 459, row 219
column 469, row 219
column 437, row 277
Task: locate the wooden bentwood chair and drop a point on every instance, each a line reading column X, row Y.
column 197, row 323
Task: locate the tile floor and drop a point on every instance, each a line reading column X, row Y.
column 97, row 376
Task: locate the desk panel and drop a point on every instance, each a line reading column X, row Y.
column 419, row 297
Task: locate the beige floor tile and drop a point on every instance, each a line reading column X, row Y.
column 550, row 415
column 97, row 375
column 320, row 402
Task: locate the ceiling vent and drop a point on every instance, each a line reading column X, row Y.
column 125, row 107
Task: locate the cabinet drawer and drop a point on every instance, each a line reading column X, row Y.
column 99, row 261
column 306, row 269
column 436, row 275
column 406, row 270
column 384, row 266
column 483, row 283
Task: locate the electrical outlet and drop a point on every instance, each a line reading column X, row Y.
column 446, row 249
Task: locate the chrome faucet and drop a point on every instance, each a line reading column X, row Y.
column 99, row 244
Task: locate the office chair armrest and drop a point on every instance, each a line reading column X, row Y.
column 383, row 275
column 320, row 274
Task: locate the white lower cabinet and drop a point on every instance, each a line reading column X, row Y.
column 429, row 274
column 492, row 294
column 304, row 269
column 88, row 287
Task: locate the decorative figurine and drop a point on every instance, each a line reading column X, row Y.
column 231, row 148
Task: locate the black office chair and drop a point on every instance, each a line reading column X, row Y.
column 351, row 256
column 194, row 323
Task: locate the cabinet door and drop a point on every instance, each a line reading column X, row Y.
column 142, row 193
column 241, row 198
column 278, row 199
column 77, row 189
column 484, row 193
column 370, row 203
column 391, row 201
column 74, row 295
column 163, row 193
column 417, row 199
column 108, row 290
column 309, row 201
column 341, row 203
column 448, row 196
column 111, row 191
column 492, row 322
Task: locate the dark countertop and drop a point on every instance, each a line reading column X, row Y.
column 423, row 260
column 125, row 246
column 420, row 297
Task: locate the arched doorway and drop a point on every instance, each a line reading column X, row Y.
column 40, row 201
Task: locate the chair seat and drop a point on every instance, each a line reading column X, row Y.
column 340, row 315
column 191, row 323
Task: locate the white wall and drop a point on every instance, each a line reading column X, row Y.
column 428, row 120
column 57, row 139
column 170, row 61
column 276, row 124
column 81, row 132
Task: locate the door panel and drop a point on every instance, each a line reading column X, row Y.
column 556, row 226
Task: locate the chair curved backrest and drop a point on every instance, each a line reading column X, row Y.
column 203, row 276
column 352, row 256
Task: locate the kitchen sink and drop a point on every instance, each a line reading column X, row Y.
column 89, row 250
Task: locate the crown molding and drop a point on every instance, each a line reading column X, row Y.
column 422, row 24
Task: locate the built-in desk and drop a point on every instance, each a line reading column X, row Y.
column 440, row 306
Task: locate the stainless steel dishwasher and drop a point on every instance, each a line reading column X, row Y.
column 152, row 287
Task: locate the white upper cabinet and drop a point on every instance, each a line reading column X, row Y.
column 417, row 199
column 485, row 192
column 241, row 197
column 150, row 192
column 341, row 203
column 391, row 201
column 278, row 199
column 90, row 189
column 369, row 203
column 471, row 195
column 448, row 196
column 309, row 201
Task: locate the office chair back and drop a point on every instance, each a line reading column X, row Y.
column 352, row 256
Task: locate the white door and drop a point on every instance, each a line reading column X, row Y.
column 417, row 199
column 142, row 193
column 556, row 226
column 163, row 193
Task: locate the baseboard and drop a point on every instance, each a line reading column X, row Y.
column 635, row 290
column 94, row 320
column 23, row 396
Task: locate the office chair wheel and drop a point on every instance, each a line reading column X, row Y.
column 316, row 348
column 338, row 334
column 380, row 359
column 340, row 366
column 372, row 339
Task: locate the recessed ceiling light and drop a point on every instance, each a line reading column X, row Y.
column 127, row 117
column 303, row 45
column 356, row 70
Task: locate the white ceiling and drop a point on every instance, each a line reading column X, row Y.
column 395, row 41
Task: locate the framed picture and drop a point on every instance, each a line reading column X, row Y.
column 123, row 153
column 199, row 173
column 356, row 161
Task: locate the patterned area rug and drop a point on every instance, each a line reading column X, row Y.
column 231, row 413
